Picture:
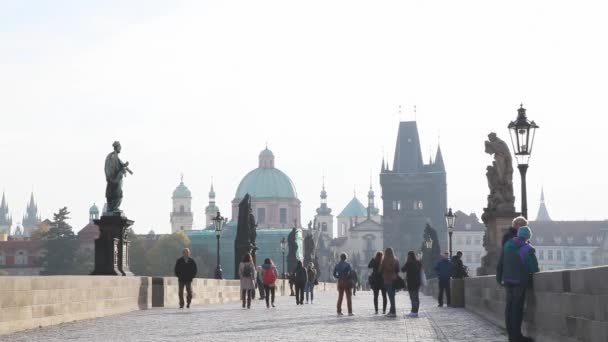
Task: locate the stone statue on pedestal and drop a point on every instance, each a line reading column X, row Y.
column 246, row 234
column 292, row 259
column 112, row 246
column 499, row 174
column 430, row 256
column 309, row 248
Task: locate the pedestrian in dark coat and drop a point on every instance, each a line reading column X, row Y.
column 444, row 273
column 412, row 269
column 185, row 270
column 518, row 222
column 515, row 267
column 300, row 279
column 376, row 282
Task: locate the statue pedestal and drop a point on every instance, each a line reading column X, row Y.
column 112, row 247
column 497, row 223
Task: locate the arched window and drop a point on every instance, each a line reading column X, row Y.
column 21, row 258
column 324, row 227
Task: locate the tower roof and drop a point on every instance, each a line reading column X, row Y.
column 94, row 209
column 3, row 205
column 182, row 191
column 408, row 157
column 354, row 208
column 439, row 165
column 543, row 213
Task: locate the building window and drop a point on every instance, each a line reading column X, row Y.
column 559, row 255
column 369, row 243
column 583, row 256
column 181, row 209
column 570, row 255
column 261, row 215
column 477, row 240
column 541, row 254
column 468, row 240
column 550, row 254
column 323, row 227
column 283, row 215
column 21, row 258
column 397, row 205
column 418, row 205
column 2, row 259
column 467, row 257
column 478, row 257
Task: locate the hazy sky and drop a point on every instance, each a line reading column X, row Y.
column 199, row 87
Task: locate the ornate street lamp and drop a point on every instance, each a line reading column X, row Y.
column 218, row 221
column 522, row 133
column 429, row 243
column 450, row 218
column 283, row 248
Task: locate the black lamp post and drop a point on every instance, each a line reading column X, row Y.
column 283, row 248
column 218, row 221
column 522, row 133
column 450, row 218
column 429, row 243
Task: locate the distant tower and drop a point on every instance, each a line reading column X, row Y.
column 5, row 220
column 373, row 213
column 181, row 217
column 211, row 210
column 353, row 214
column 18, row 235
column 543, row 213
column 31, row 219
column 93, row 213
column 324, row 218
column 413, row 193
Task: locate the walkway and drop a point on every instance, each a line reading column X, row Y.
column 287, row 322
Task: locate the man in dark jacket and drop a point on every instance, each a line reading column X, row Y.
column 444, row 273
column 459, row 271
column 515, row 267
column 185, row 271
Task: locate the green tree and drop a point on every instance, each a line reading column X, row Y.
column 160, row 259
column 60, row 245
column 137, row 254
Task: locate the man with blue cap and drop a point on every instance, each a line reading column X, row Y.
column 515, row 267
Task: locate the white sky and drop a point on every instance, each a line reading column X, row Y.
column 199, row 87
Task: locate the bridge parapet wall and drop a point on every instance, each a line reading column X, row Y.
column 566, row 305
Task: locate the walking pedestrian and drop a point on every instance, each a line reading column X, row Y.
column 354, row 281
column 185, row 270
column 247, row 274
column 376, row 282
column 311, row 272
column 515, row 267
column 259, row 283
column 444, row 273
column 300, row 279
column 412, row 269
column 390, row 269
column 341, row 273
column 269, row 278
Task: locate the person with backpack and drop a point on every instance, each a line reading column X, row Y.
column 300, row 278
column 389, row 268
column 247, row 274
column 514, row 271
column 412, row 270
column 311, row 273
column 342, row 272
column 376, row 282
column 269, row 278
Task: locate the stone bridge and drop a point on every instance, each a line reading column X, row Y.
column 565, row 306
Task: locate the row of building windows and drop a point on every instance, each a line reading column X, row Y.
column 416, row 205
column 261, row 215
column 551, row 254
column 468, row 240
column 20, row 258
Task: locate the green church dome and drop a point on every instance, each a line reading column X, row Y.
column 266, row 181
column 354, row 208
column 182, row 191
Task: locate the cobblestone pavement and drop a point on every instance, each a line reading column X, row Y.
column 287, row 322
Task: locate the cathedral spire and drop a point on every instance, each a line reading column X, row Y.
column 543, row 213
column 439, row 165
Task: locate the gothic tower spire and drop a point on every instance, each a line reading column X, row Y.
column 543, row 213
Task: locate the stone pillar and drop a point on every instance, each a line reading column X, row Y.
column 497, row 223
column 111, row 248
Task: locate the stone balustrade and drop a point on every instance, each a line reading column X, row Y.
column 31, row 302
column 563, row 306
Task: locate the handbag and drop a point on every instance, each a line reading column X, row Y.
column 399, row 283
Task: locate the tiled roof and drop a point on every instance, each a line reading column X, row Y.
column 568, row 233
